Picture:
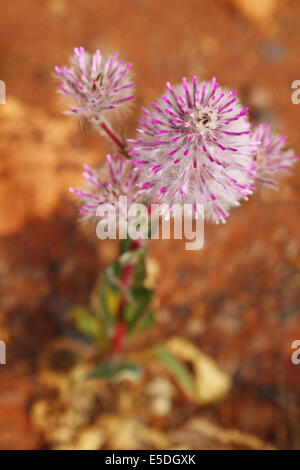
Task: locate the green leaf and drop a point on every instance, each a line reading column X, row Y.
column 140, row 300
column 139, row 271
column 133, row 257
column 110, row 293
column 178, row 369
column 111, row 370
column 145, row 321
column 125, row 245
column 88, row 323
column 126, row 154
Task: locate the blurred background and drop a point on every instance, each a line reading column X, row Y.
column 233, row 307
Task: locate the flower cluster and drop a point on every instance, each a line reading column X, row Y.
column 96, row 84
column 116, row 178
column 196, row 144
column 196, row 147
column 272, row 157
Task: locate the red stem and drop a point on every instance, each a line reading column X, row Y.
column 120, row 328
column 112, row 136
column 118, row 338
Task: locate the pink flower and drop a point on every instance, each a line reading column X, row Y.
column 196, row 147
column 272, row 156
column 96, row 84
column 116, row 178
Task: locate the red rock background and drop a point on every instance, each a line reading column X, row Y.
column 238, row 298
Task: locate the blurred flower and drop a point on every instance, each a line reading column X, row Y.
column 117, row 178
column 272, row 157
column 197, row 148
column 96, row 84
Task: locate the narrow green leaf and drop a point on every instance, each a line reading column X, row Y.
column 139, row 271
column 125, row 245
column 145, row 322
column 111, row 370
column 110, row 292
column 140, row 300
column 88, row 323
column 178, row 369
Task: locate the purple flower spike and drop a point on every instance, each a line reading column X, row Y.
column 117, row 178
column 96, row 84
column 272, row 156
column 196, row 147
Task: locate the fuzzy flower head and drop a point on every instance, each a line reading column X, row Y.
column 116, row 178
column 196, row 147
column 96, row 84
column 272, row 156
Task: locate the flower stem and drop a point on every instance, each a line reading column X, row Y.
column 120, row 328
column 118, row 338
column 113, row 136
